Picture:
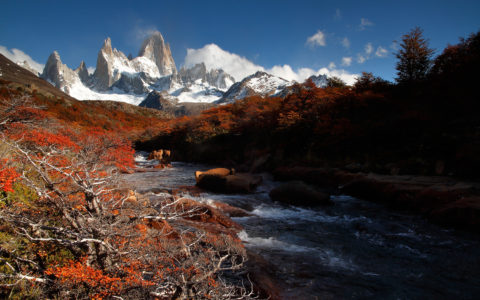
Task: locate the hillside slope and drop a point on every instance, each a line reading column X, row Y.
column 125, row 119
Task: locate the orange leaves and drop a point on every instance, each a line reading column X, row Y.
column 288, row 119
column 8, row 176
column 41, row 137
column 107, row 147
column 74, row 273
column 100, row 283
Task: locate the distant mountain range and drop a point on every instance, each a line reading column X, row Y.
column 138, row 79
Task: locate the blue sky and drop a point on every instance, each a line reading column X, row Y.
column 353, row 35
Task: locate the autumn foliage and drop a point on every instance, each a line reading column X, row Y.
column 68, row 228
column 8, row 175
column 426, row 121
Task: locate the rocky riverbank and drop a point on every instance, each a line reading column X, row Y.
column 212, row 218
column 324, row 250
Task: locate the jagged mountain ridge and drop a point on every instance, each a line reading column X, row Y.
column 319, row 80
column 130, row 79
column 260, row 83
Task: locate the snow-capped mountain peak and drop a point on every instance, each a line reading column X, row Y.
column 131, row 79
column 58, row 73
column 113, row 65
column 155, row 49
column 260, row 83
column 83, row 72
column 319, row 80
column 118, row 77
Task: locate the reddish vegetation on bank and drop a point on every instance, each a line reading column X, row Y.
column 70, row 231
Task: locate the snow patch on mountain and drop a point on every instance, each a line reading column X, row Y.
column 79, row 91
column 130, row 79
column 260, row 83
column 199, row 91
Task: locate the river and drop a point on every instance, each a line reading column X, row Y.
column 354, row 249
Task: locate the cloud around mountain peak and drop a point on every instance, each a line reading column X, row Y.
column 239, row 67
column 20, row 57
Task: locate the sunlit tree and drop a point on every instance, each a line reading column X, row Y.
column 414, row 57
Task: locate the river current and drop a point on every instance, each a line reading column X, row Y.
column 354, row 249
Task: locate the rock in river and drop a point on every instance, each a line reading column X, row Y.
column 225, row 181
column 299, row 193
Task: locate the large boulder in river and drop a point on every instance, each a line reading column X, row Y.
column 299, row 193
column 242, row 183
column 162, row 155
column 217, row 172
column 225, row 181
column 204, row 213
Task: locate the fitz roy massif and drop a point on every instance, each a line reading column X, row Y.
column 131, row 79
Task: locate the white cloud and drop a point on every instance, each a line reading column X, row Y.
column 368, row 48
column 332, row 65
column 367, row 54
column 318, row 39
column 287, row 72
column 91, row 70
column 140, row 32
column 381, row 52
column 364, row 23
column 346, row 61
column 239, row 67
column 19, row 57
column 347, row 77
column 346, row 42
column 303, row 73
column 361, row 59
column 215, row 57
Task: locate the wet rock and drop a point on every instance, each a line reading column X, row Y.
column 214, row 183
column 225, row 181
column 262, row 273
column 368, row 188
column 317, row 176
column 242, row 183
column 217, row 172
column 204, row 213
column 299, row 193
column 231, row 211
column 164, row 156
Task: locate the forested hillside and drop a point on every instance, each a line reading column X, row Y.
column 423, row 124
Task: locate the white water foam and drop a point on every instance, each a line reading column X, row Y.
column 271, row 243
column 327, row 257
column 297, row 213
column 141, row 159
column 141, row 156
